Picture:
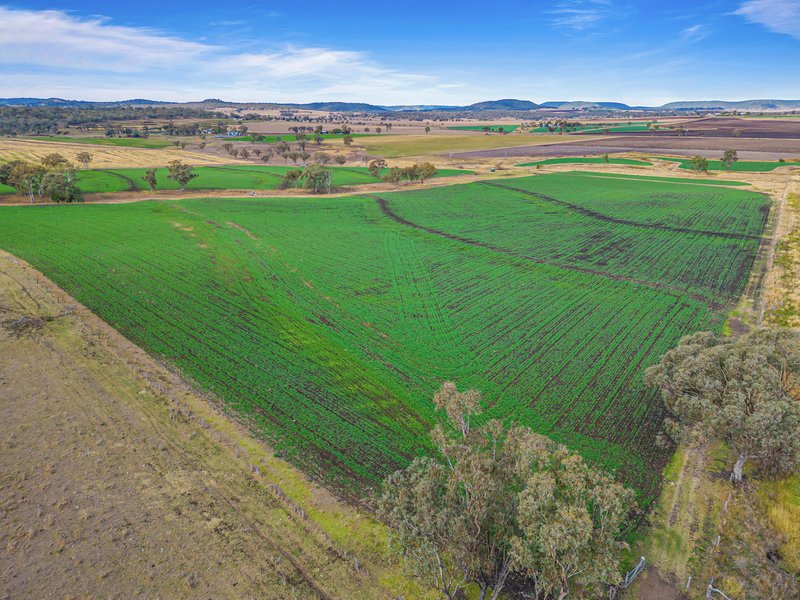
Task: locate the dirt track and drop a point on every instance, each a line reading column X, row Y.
column 118, row 481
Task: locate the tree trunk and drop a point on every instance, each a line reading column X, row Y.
column 738, row 467
column 563, row 594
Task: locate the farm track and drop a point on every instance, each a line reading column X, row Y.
column 131, row 183
column 388, row 212
column 601, row 217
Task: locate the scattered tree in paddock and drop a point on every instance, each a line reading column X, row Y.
column 291, row 178
column 180, row 172
column 376, row 167
column 317, row 178
column 394, row 175
column 149, row 178
column 26, row 178
column 54, row 161
column 348, row 140
column 340, row 160
column 699, row 164
column 425, row 171
column 742, row 391
column 729, row 157
column 84, row 158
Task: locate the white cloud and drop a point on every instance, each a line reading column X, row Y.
column 55, row 39
column 779, row 16
column 695, row 33
column 44, row 53
column 580, row 14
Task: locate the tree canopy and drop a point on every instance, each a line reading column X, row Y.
column 740, row 390
column 498, row 501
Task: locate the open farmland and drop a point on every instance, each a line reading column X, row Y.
column 271, row 138
column 741, row 165
column 107, row 141
column 394, row 146
column 103, row 156
column 330, row 322
column 686, row 180
column 593, row 160
column 238, row 177
column 494, row 128
column 618, row 127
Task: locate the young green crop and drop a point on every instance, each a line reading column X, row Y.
column 586, row 160
column 742, row 165
column 230, row 177
column 329, row 322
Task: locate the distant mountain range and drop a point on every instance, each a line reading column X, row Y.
column 508, row 104
column 62, row 102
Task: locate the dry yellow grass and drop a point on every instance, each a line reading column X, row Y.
column 103, row 156
column 782, row 502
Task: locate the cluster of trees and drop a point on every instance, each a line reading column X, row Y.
column 53, row 177
column 562, row 125
column 700, row 163
column 315, row 178
column 738, row 390
column 416, row 172
column 497, row 502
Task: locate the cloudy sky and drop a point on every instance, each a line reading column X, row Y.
column 639, row 52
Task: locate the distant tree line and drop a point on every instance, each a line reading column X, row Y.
column 50, row 120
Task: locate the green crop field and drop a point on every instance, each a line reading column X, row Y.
column 740, row 165
column 494, row 128
column 125, row 142
column 237, row 177
column 692, row 180
column 587, row 160
column 329, row 322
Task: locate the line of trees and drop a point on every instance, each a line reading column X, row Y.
column 416, row 172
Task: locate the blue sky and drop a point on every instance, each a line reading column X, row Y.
column 645, row 52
